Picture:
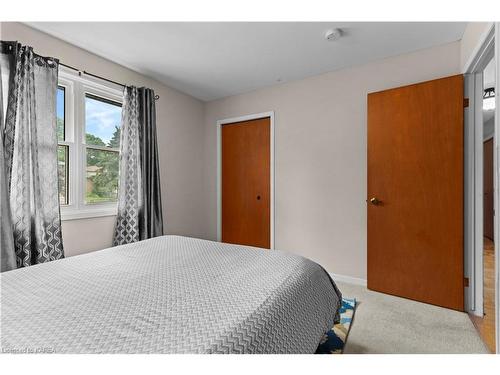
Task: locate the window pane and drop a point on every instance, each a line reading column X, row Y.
column 102, row 176
column 102, row 122
column 60, row 112
column 62, row 169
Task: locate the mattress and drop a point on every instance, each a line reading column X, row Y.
column 169, row 294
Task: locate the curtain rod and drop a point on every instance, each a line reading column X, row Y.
column 98, row 77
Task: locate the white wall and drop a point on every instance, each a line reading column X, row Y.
column 474, row 35
column 489, row 128
column 180, row 143
column 321, row 153
column 320, row 149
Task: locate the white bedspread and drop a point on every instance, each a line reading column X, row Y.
column 169, row 295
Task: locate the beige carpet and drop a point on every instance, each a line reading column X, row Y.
column 388, row 324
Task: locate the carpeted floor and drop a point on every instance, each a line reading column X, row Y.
column 388, row 324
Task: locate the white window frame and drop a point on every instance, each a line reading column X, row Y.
column 76, row 86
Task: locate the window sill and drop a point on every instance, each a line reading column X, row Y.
column 74, row 214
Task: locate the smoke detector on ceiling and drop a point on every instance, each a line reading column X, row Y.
column 333, row 34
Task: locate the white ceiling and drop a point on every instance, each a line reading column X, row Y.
column 214, row 60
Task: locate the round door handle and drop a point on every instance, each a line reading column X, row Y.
column 375, row 201
column 258, row 197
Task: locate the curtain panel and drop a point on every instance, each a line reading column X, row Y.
column 30, row 154
column 139, row 199
column 7, row 253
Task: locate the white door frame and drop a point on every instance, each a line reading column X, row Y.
column 496, row 186
column 269, row 114
column 473, row 145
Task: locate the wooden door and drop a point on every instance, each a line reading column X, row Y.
column 488, row 189
column 415, row 174
column 246, row 183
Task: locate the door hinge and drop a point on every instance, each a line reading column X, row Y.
column 466, row 282
column 466, row 102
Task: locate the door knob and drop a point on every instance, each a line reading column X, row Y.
column 375, row 201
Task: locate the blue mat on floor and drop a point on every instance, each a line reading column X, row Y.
column 334, row 340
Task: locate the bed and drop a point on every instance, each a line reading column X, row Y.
column 169, row 294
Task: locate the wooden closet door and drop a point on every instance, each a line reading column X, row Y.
column 415, row 192
column 246, row 183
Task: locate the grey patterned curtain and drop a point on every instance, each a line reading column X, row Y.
column 7, row 254
column 139, row 198
column 30, row 154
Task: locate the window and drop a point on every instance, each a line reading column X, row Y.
column 88, row 129
column 102, row 139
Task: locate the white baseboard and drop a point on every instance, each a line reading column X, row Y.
column 348, row 279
